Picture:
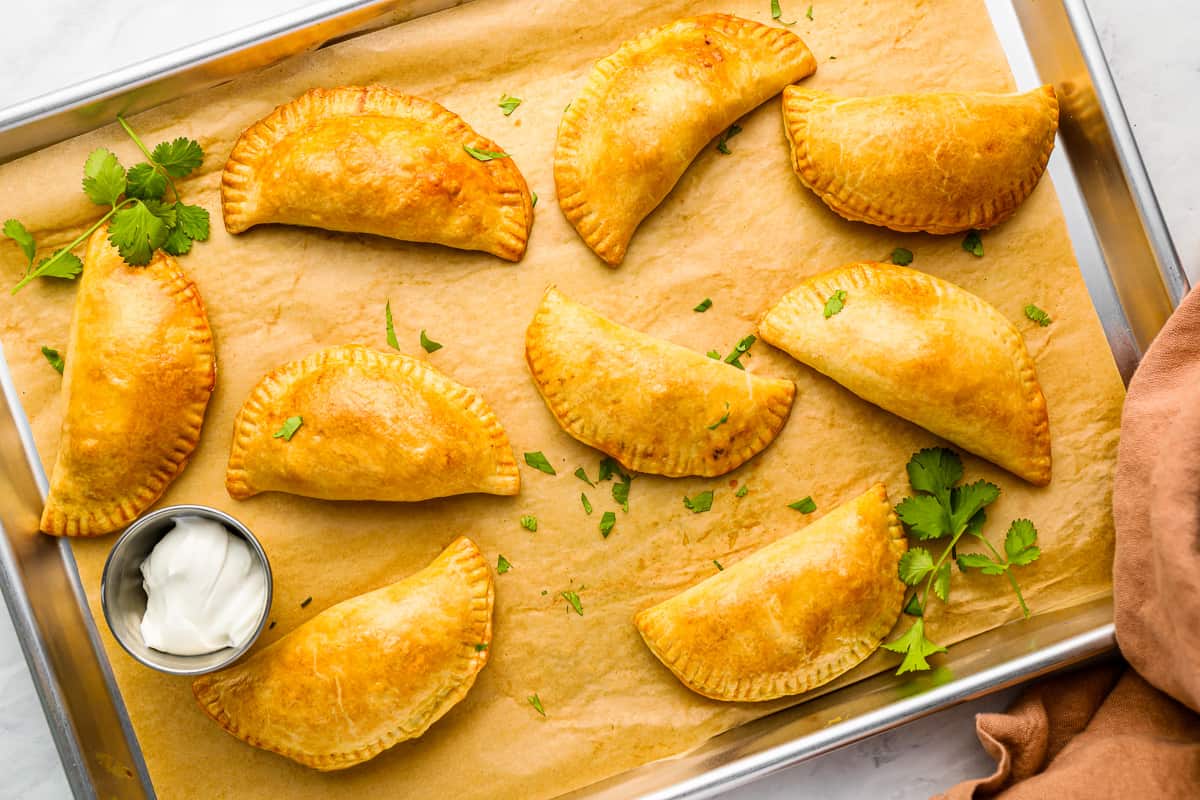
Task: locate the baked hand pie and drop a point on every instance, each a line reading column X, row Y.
column 373, row 160
column 651, row 107
column 925, row 350
column 791, row 616
column 140, row 367
column 352, row 423
column 364, row 674
column 940, row 162
column 652, row 405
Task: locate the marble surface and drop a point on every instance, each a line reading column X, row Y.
column 51, row 44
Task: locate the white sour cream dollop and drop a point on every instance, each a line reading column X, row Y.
column 205, row 589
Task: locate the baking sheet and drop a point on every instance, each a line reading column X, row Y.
column 276, row 294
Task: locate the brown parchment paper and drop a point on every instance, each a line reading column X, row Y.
column 738, row 228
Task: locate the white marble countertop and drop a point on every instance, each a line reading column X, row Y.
column 51, row 44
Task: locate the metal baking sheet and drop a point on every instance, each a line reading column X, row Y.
column 1121, row 242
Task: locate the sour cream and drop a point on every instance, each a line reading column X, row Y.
column 205, row 589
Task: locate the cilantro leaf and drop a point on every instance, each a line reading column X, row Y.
column 192, row 220
column 536, row 702
column 429, row 345
column 1019, row 543
column 700, row 503
column 979, row 561
column 722, row 420
column 607, row 520
column 503, row 565
column 529, row 523
column 741, row 492
column 723, row 141
column 62, row 264
column 587, row 504
column 913, row 606
column 480, row 647
column 777, row 12
column 609, row 466
column 392, row 341
column 915, row 564
column 178, row 243
column 713, row 354
column 703, row 305
column 509, row 104
column 538, row 461
column 717, row 564
column 924, row 516
column 902, row 257
column 1037, row 315
column 935, row 470
column 805, row 506
column 967, row 500
column 573, row 598
column 941, row 582
column 145, row 182
column 484, row 155
column 915, row 647
column 809, row 13
column 534, row 203
column 973, row 244
column 103, row 177
column 581, row 473
column 288, row 429
column 178, row 157
column 137, row 231
column 739, row 350
column 14, row 230
column 835, row 303
column 620, row 493
column 54, row 358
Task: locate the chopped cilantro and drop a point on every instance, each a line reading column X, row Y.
column 723, row 142
column 573, row 598
column 429, row 345
column 973, row 244
column 289, row 428
column 805, row 506
column 902, row 257
column 607, row 520
column 529, row 523
column 587, row 504
column 503, row 565
column 538, row 461
column 484, row 155
column 509, row 104
column 1033, row 312
column 700, row 503
column 703, row 305
column 835, row 303
column 54, row 358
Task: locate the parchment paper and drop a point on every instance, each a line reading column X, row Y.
column 738, row 228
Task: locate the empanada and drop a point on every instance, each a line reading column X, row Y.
column 373, row 160
column 940, row 162
column 140, row 367
column 791, row 616
column 654, row 406
column 926, row 350
column 651, row 107
column 367, row 425
column 364, row 674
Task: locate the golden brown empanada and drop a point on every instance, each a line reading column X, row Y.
column 373, row 426
column 651, row 107
column 940, row 162
column 926, row 350
column 373, row 160
column 652, row 405
column 791, row 616
column 139, row 370
column 364, row 674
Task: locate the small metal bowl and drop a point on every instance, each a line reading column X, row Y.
column 124, row 599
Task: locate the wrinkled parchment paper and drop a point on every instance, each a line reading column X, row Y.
column 738, row 228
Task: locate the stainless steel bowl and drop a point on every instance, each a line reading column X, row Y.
column 124, row 599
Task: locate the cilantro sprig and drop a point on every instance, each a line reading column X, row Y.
column 143, row 220
column 944, row 509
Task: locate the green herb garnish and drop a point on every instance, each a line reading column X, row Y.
column 717, row 564
column 503, row 565
column 534, row 203
column 1037, row 315
column 529, row 523
column 607, row 520
column 573, row 598
column 835, row 303
column 508, row 105
column 973, row 244
column 809, row 14
column 581, row 473
column 805, row 506
column 536, row 702
column 620, row 493
column 538, row 461
column 587, row 504
column 741, row 492
column 739, row 350
column 723, row 141
column 484, row 155
column 777, row 12
column 307, row 600
column 703, row 305
column 713, row 354
column 700, row 503
column 480, row 647
column 54, row 358
column 289, row 428
column 902, row 257
column 427, row 344
column 392, row 341
column 724, row 418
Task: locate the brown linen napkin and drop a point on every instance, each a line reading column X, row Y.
column 1117, row 731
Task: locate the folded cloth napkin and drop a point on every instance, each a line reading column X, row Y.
column 1133, row 731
